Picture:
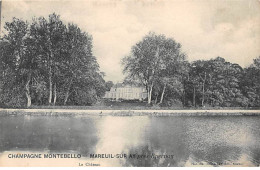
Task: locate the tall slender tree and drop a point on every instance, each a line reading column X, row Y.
column 149, row 58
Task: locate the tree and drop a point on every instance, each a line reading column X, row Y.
column 80, row 68
column 215, row 82
column 200, row 78
column 48, row 60
column 49, row 37
column 149, row 58
column 108, row 85
column 17, row 56
column 171, row 77
column 250, row 83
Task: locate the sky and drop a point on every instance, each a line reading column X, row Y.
column 205, row 28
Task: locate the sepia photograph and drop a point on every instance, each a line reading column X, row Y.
column 129, row 83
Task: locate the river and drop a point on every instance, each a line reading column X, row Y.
column 191, row 140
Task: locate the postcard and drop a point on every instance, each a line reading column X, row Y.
column 130, row 83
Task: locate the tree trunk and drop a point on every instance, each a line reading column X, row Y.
column 161, row 100
column 150, row 94
column 66, row 97
column 156, row 99
column 55, row 94
column 50, row 79
column 67, row 92
column 203, row 90
column 50, row 89
column 27, row 91
column 184, row 94
column 202, row 101
column 194, row 96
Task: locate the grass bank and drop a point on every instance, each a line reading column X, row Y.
column 82, row 112
column 133, row 105
column 138, row 107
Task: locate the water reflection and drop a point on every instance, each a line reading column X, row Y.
column 149, row 157
column 223, row 139
column 54, row 134
column 117, row 134
column 195, row 140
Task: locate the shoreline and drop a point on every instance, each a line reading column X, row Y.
column 60, row 112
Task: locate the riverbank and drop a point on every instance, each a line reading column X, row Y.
column 76, row 112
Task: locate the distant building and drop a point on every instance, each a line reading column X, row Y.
column 121, row 91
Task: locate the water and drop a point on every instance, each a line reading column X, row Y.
column 193, row 140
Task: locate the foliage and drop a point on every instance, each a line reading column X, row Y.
column 158, row 63
column 108, row 85
column 48, row 62
column 154, row 62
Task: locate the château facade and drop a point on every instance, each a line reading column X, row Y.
column 121, row 91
